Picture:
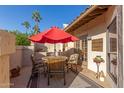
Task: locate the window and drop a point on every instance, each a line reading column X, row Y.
column 65, row 46
column 113, row 44
column 77, row 44
column 97, row 44
column 112, row 53
column 83, row 47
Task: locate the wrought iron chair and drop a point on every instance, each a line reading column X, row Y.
column 56, row 66
column 50, row 53
column 73, row 60
column 36, row 68
column 37, row 64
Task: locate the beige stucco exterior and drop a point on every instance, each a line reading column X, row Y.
column 100, row 31
column 7, row 47
column 97, row 28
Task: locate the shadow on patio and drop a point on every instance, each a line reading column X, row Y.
column 72, row 81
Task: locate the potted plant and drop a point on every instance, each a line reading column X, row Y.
column 98, row 60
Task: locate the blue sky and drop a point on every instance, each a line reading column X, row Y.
column 11, row 17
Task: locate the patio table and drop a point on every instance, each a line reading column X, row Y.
column 59, row 58
column 55, row 59
column 55, row 66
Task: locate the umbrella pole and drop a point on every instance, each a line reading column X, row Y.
column 55, row 49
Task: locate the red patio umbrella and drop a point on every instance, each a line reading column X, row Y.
column 53, row 36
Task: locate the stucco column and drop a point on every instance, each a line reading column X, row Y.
column 4, row 72
column 120, row 46
column 7, row 47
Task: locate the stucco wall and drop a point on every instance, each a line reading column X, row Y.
column 96, row 33
column 16, row 58
column 100, row 30
column 95, row 29
column 26, row 55
column 21, row 57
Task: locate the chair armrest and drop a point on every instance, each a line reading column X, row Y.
column 38, row 59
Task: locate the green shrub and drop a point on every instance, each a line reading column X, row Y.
column 21, row 38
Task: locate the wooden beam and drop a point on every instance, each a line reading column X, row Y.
column 99, row 10
column 103, row 6
column 90, row 17
column 96, row 13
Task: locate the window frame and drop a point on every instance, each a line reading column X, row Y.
column 109, row 52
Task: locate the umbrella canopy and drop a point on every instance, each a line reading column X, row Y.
column 53, row 35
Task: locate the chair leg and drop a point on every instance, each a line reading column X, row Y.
column 71, row 66
column 76, row 68
column 44, row 71
column 64, row 79
column 67, row 67
column 48, row 79
column 29, row 81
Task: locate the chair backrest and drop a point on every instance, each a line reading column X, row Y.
column 32, row 60
column 50, row 53
column 74, row 58
column 56, row 65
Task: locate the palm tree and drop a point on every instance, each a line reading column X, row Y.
column 36, row 29
column 27, row 25
column 37, row 18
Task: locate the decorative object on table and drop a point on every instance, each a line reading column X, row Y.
column 98, row 60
